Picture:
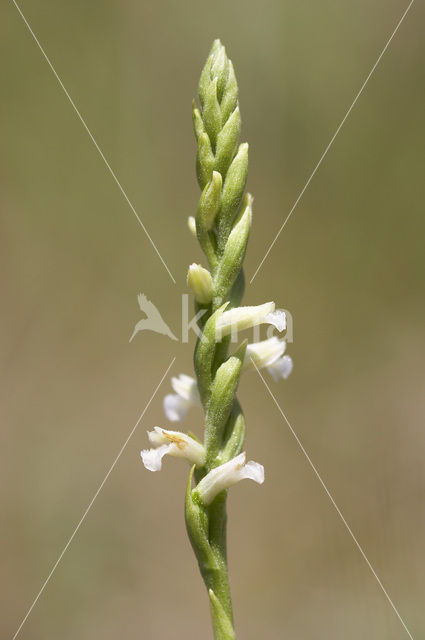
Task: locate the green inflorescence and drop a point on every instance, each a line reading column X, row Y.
column 223, row 223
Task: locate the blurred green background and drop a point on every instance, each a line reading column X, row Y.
column 349, row 265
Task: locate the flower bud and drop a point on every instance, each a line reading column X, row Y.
column 211, row 113
column 233, row 189
column 204, row 160
column 205, row 79
column 198, row 125
column 234, row 251
column 210, row 201
column 191, row 223
column 200, row 281
column 230, row 96
column 204, row 354
column 219, row 69
column 226, row 142
column 223, row 392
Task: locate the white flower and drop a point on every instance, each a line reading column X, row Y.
column 177, row 404
column 280, row 368
column 200, row 281
column 241, row 318
column 172, row 443
column 264, row 353
column 191, row 223
column 226, row 475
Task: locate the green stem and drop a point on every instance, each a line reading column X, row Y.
column 221, row 585
column 217, row 537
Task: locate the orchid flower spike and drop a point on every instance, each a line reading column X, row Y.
column 241, row 318
column 222, row 226
column 176, row 405
column 226, row 475
column 172, row 443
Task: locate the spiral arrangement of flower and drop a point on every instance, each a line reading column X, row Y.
column 222, row 225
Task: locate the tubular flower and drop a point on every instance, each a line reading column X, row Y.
column 240, row 318
column 176, row 405
column 172, row 443
column 226, row 475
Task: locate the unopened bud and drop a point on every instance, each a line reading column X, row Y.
column 204, row 160
column 200, row 281
column 234, row 250
column 210, row 201
column 234, row 184
column 226, row 142
column 219, row 69
column 211, row 113
column 230, row 95
column 191, row 223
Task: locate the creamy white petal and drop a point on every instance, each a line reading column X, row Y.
column 176, row 407
column 191, row 223
column 178, row 444
column 226, row 475
column 187, row 395
column 253, row 471
column 241, row 318
column 152, row 458
column 200, row 281
column 186, row 387
column 262, row 354
column 281, row 368
column 277, row 318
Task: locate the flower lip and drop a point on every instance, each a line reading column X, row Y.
column 278, row 319
column 176, row 405
column 280, row 368
column 264, row 353
column 185, row 386
column 173, row 443
column 152, row 458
